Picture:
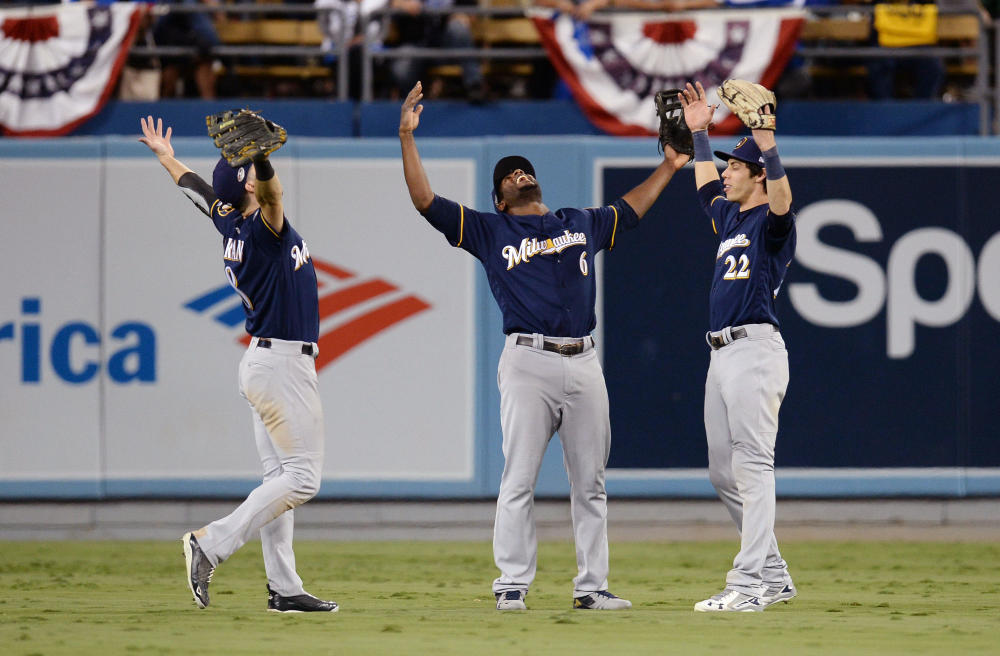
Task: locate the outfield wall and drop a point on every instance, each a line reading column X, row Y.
column 119, row 338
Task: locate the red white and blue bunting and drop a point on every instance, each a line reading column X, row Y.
column 615, row 63
column 60, row 63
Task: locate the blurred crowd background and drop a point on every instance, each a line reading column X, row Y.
column 488, row 50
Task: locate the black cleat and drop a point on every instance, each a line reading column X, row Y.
column 199, row 570
column 303, row 603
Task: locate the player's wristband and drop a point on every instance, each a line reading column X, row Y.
column 702, row 149
column 262, row 165
column 772, row 164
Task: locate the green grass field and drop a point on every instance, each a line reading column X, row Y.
column 434, row 598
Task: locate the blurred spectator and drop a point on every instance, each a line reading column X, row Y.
column 777, row 3
column 350, row 21
column 417, row 28
column 186, row 29
column 583, row 10
column 915, row 77
column 141, row 76
column 580, row 10
column 924, row 75
column 991, row 7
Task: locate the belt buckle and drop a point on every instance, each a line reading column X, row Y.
column 571, row 349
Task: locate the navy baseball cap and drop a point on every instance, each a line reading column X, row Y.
column 505, row 167
column 746, row 151
column 229, row 183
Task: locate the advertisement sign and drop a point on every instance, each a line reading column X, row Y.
column 120, row 336
column 888, row 312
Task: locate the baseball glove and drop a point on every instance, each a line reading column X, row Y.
column 244, row 134
column 747, row 100
column 674, row 131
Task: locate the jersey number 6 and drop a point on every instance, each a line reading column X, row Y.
column 583, row 263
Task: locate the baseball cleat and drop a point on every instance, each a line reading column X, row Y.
column 778, row 592
column 199, row 569
column 303, row 603
column 601, row 600
column 730, row 601
column 511, row 600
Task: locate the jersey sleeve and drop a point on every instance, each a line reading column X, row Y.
column 713, row 201
column 611, row 220
column 779, row 227
column 198, row 192
column 463, row 227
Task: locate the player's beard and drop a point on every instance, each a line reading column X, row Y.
column 528, row 194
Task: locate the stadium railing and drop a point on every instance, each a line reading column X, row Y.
column 843, row 34
column 836, row 33
column 250, row 34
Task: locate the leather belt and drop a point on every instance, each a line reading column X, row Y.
column 718, row 341
column 307, row 349
column 572, row 348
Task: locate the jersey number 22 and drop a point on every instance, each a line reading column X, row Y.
column 732, row 273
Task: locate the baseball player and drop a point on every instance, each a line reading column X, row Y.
column 540, row 266
column 751, row 212
column 268, row 264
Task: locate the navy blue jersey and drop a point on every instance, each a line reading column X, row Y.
column 540, row 267
column 750, row 264
column 272, row 273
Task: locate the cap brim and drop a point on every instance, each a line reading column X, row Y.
column 725, row 157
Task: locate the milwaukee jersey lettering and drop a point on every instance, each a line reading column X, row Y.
column 540, row 267
column 750, row 264
column 272, row 273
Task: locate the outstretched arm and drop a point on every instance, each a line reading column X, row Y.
column 267, row 189
column 698, row 115
column 779, row 191
column 413, row 171
column 645, row 194
column 159, row 142
column 197, row 190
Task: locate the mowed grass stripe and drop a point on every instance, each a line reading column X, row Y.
column 435, row 598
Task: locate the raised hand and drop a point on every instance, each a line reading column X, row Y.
column 764, row 138
column 697, row 112
column 154, row 137
column 409, row 116
column 675, row 159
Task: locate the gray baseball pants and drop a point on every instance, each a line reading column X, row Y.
column 281, row 386
column 746, row 383
column 542, row 393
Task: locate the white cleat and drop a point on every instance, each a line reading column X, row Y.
column 511, row 600
column 601, row 600
column 778, row 592
column 731, row 601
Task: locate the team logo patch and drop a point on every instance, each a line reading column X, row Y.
column 739, row 241
column 352, row 309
